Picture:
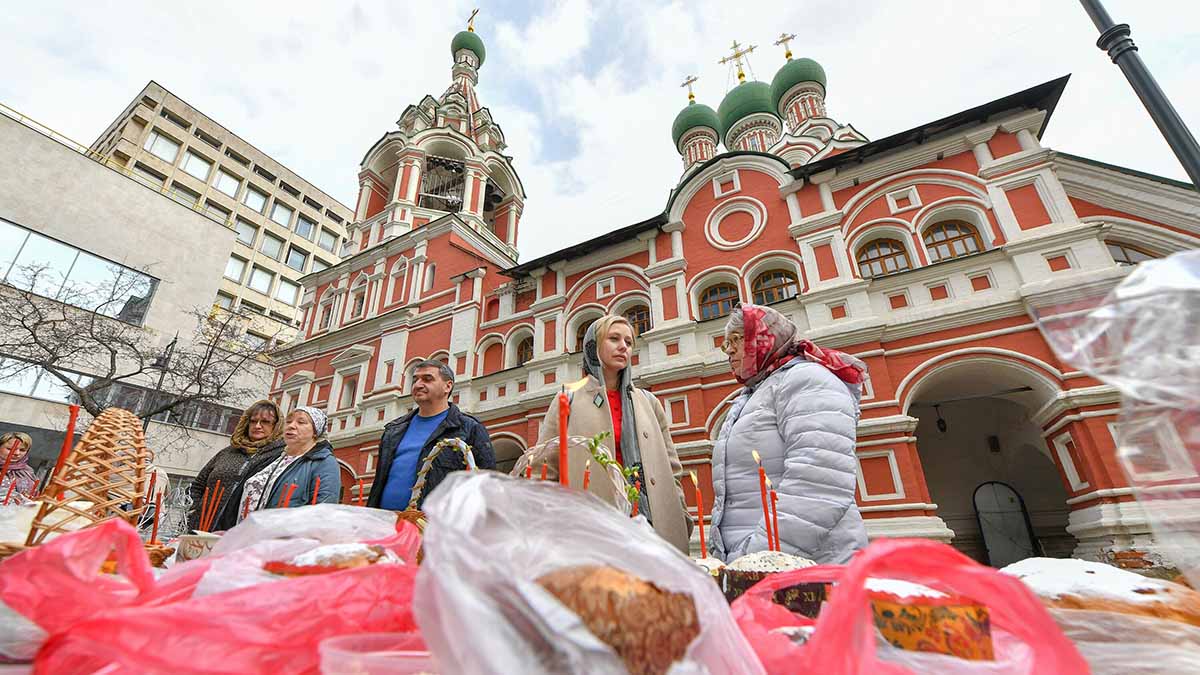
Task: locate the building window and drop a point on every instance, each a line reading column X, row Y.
column 211, row 140
column 349, row 392
column 196, row 166
column 305, row 227
column 326, row 316
column 1127, row 254
column 162, row 146
column 525, row 351
column 183, row 195
column 296, row 259
column 358, row 304
column 581, row 333
column 319, row 265
column 224, row 301
column 271, row 246
column 251, row 307
column 287, row 292
column 260, row 280
column 882, row 257
column 773, row 286
column 216, row 210
column 148, row 175
column 717, row 301
column 227, row 183
column 430, row 274
column 328, row 241
column 442, row 183
column 235, row 267
column 255, row 199
column 951, row 239
column 246, row 232
column 638, row 316
column 282, row 214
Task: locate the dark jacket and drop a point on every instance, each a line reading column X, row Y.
column 303, row 473
column 457, row 424
column 232, row 466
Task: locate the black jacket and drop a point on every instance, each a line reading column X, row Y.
column 232, row 466
column 457, row 424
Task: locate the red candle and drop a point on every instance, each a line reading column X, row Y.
column 12, row 451
column 8, row 495
column 246, row 508
column 153, row 479
column 66, row 447
column 700, row 514
column 157, row 512
column 287, row 499
column 316, row 490
column 544, row 468
column 529, row 471
column 564, row 414
column 637, row 498
column 361, row 496
column 203, row 510
column 775, row 517
column 587, row 474
column 212, row 506
column 762, row 486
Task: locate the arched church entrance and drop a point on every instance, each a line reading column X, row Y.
column 508, row 450
column 974, row 428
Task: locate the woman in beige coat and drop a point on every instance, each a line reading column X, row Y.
column 637, row 427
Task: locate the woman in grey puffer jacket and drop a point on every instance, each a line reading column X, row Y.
column 799, row 410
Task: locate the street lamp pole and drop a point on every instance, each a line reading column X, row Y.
column 1114, row 38
column 162, row 363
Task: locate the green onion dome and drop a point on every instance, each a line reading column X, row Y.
column 468, row 40
column 794, row 72
column 693, row 116
column 742, row 101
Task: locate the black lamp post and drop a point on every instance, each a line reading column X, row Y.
column 162, row 363
column 1114, row 38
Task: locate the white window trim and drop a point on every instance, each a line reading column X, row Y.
column 606, row 287
column 945, row 283
column 1064, row 457
column 1066, row 253
column 890, row 454
column 982, row 273
column 914, row 199
column 725, row 178
column 687, row 415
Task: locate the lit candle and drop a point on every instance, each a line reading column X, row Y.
column 699, row 514
column 587, row 474
column 361, row 496
column 316, row 490
column 564, row 415
column 775, row 517
column 66, row 447
column 637, row 498
column 772, row 540
column 529, row 471
column 544, row 468
column 8, row 495
column 762, row 486
column 157, row 512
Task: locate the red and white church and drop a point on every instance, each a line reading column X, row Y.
column 923, row 253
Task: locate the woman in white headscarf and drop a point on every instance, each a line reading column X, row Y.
column 306, row 457
column 799, row 410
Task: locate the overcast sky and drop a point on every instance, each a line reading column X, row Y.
column 585, row 92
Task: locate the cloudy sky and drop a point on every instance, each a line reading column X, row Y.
column 585, row 91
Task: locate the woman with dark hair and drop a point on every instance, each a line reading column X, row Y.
column 256, row 442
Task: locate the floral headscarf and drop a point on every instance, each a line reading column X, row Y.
column 771, row 340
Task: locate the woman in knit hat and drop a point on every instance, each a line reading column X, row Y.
column 307, row 463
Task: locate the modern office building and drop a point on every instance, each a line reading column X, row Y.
column 286, row 227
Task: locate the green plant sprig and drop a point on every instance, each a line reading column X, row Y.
column 630, row 474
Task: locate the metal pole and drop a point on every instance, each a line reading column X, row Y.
column 162, row 363
column 1114, row 38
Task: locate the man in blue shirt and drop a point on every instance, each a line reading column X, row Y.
column 408, row 440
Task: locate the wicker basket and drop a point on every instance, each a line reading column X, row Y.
column 9, row 549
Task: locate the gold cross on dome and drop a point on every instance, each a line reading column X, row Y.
column 471, row 20
column 738, row 54
column 785, row 39
column 691, row 79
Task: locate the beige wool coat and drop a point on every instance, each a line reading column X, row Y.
column 660, row 462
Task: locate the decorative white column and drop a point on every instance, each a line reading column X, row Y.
column 821, row 180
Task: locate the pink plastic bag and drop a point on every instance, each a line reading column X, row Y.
column 59, row 583
column 1024, row 636
column 270, row 628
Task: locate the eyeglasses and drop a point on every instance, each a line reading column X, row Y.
column 732, row 341
column 265, row 423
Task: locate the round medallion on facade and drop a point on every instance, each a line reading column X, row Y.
column 468, row 40
column 792, row 73
column 735, row 223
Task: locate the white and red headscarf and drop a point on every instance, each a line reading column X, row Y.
column 771, row 340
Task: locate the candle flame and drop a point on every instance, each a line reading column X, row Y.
column 587, row 465
column 575, row 386
column 768, row 483
column 757, row 459
column 693, row 475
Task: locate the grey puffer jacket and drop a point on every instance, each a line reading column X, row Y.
column 803, row 422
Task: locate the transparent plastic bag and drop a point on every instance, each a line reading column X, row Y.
column 1127, row 644
column 322, row 523
column 605, row 481
column 491, row 536
column 1143, row 338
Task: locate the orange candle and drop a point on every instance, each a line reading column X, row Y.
column 246, row 508
column 66, row 447
column 203, row 509
column 12, row 452
column 775, row 517
column 316, row 490
column 157, row 513
column 8, row 495
column 544, row 469
column 637, row 498
column 564, row 415
column 587, row 474
column 529, row 471
column 762, row 487
column 699, row 514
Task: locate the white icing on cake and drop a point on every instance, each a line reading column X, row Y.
column 769, row 561
column 1054, row 578
column 902, row 589
column 710, row 565
column 332, row 554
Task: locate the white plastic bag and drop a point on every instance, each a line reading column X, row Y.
column 491, row 536
column 322, row 523
column 1127, row 644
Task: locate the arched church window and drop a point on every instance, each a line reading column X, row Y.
column 717, row 300
column 525, row 350
column 638, row 316
column 442, row 183
column 882, row 257
column 773, row 286
column 1127, row 254
column 580, row 332
column 951, row 239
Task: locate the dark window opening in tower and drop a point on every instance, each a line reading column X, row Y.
column 442, row 184
column 492, row 196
